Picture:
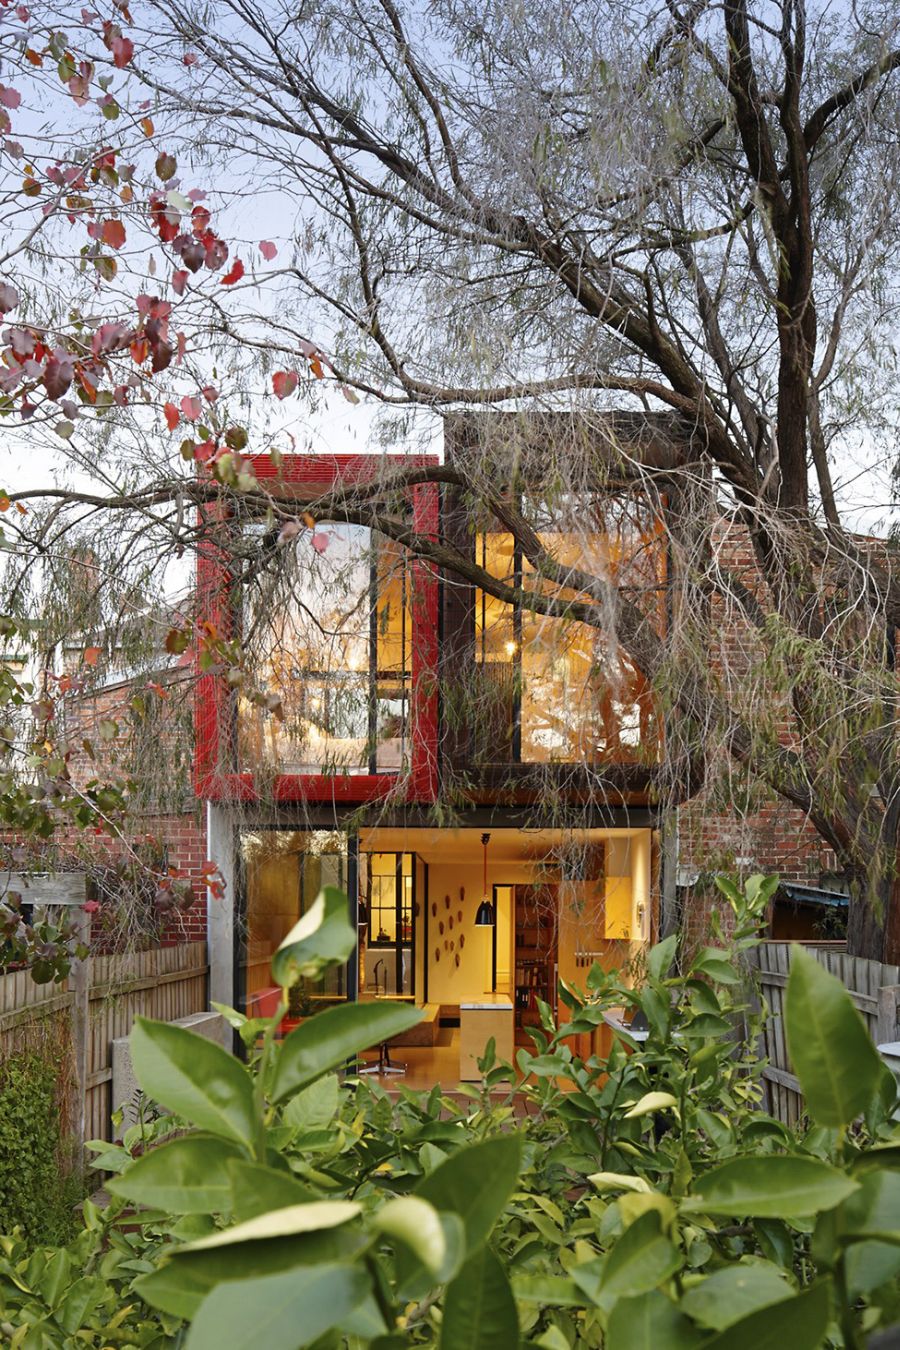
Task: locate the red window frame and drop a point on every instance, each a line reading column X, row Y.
column 214, row 700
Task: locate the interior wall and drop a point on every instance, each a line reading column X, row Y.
column 447, row 981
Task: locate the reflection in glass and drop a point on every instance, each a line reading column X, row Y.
column 553, row 689
column 284, row 871
column 329, row 627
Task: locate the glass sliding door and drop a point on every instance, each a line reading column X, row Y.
column 388, row 891
column 283, row 872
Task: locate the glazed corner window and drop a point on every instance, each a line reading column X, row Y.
column 552, row 689
column 327, row 625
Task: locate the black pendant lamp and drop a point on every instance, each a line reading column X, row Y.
column 485, row 917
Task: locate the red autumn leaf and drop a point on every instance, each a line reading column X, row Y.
column 315, row 366
column 268, row 250
column 9, row 297
column 9, row 98
column 113, row 233
column 210, row 393
column 191, row 407
column 179, row 281
column 190, row 59
column 284, row 382
column 319, row 542
column 234, row 274
column 147, row 125
column 91, row 655
column 140, row 350
column 34, row 57
column 122, row 49
column 171, row 415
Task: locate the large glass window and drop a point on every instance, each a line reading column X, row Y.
column 552, row 689
column 284, row 870
column 327, row 621
column 388, row 904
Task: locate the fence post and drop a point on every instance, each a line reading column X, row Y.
column 887, row 1025
column 80, row 987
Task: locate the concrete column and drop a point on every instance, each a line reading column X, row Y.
column 221, row 914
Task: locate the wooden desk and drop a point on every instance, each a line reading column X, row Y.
column 479, row 1020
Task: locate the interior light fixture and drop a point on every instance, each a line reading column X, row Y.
column 485, row 917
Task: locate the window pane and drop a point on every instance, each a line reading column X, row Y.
column 284, row 871
column 327, row 624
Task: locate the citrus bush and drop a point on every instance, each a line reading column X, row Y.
column 646, row 1202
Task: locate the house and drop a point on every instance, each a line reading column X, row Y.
column 478, row 777
column 475, row 776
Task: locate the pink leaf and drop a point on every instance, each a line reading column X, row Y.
column 9, row 98
column 113, row 233
column 179, row 281
column 210, row 393
column 9, row 297
column 289, row 530
column 191, row 407
column 319, row 542
column 122, row 49
column 268, row 250
column 284, row 382
column 349, row 394
column 190, row 58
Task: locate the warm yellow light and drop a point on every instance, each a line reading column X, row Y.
column 510, row 649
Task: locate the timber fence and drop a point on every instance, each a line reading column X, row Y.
column 873, row 987
column 96, row 1005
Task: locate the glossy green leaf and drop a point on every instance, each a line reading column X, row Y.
column 285, row 1222
column 831, row 1050
column 256, row 1190
column 640, row 1261
column 776, row 1187
column 649, row 1322
column 479, row 1308
column 869, row 1265
column 180, row 1285
column 798, row 1323
column 194, row 1078
column 548, row 1291
column 279, row 1311
column 414, row 1222
column 314, row 1107
column 323, row 937
column 734, row 1292
column 476, row 1183
column 187, row 1176
column 660, row 957
column 329, row 1039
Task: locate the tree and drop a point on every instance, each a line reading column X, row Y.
column 684, row 213
column 685, row 210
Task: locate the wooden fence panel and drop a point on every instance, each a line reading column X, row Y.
column 167, row 983
column 873, row 987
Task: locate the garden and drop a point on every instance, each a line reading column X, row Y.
column 647, row 1201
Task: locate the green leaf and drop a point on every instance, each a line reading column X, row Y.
column 640, row 1261
column 650, row 1322
column 180, row 1286
column 257, row 1190
column 329, row 1039
column 776, row 1187
column 279, row 1311
column 314, row 1107
column 186, row 1176
column 730, row 1294
column 324, row 937
column 194, row 1078
column 285, row 1222
column 650, row 1103
column 831, row 1050
column 417, row 1224
column 713, row 961
column 549, row 1291
column 476, row 1183
column 799, row 1322
column 661, row 957
column 869, row 1265
column 479, row 1308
